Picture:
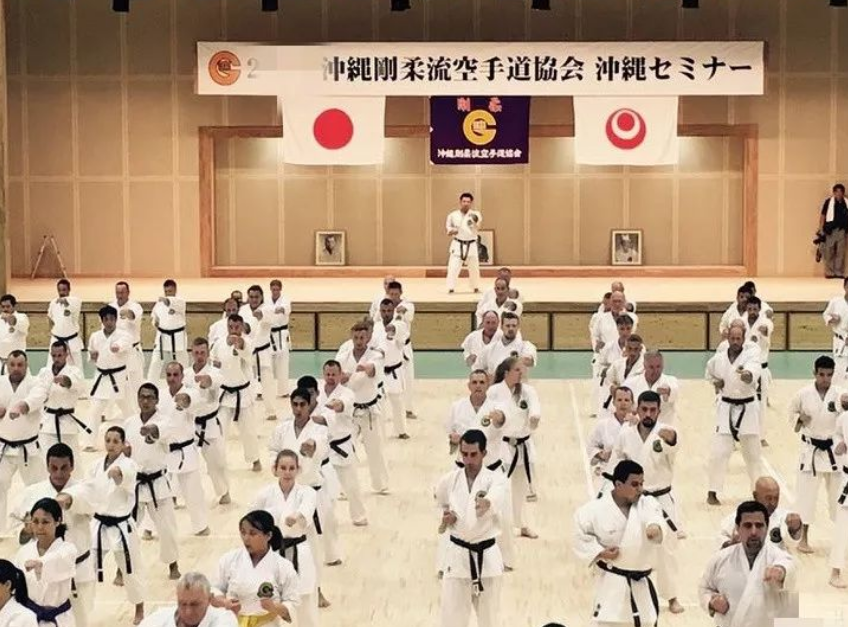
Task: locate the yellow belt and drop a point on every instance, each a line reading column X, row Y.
column 256, row 620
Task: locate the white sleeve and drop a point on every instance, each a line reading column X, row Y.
column 585, row 543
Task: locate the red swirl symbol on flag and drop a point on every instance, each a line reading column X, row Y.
column 333, row 129
column 626, row 129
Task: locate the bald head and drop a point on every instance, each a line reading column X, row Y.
column 767, row 492
column 617, row 301
column 617, row 286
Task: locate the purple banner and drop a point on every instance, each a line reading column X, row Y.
column 479, row 129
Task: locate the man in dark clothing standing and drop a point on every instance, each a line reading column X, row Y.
column 833, row 223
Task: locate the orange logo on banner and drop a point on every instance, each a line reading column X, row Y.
column 479, row 127
column 224, row 68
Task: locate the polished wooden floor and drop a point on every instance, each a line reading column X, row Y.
column 388, row 577
column 346, row 290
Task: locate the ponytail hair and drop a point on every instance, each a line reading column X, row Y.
column 263, row 521
column 9, row 573
column 51, row 507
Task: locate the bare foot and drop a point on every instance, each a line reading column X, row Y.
column 803, row 547
column 712, row 499
column 257, row 466
column 205, row 532
column 674, row 606
column 361, row 523
column 90, row 449
column 403, row 436
column 139, row 614
column 322, row 601
column 174, row 571
column 225, row 500
column 119, row 579
column 383, row 492
column 147, row 535
column 272, row 417
column 764, row 443
column 526, row 532
column 837, row 581
column 508, row 569
column 681, row 535
column 336, row 563
column 532, row 498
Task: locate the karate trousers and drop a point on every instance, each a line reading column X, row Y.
column 83, row 604
column 281, row 361
column 722, row 449
column 839, row 548
column 349, row 480
column 455, row 264
column 215, row 453
column 165, row 520
column 458, row 601
column 100, row 407
column 807, row 493
column 247, row 427
column 368, row 421
column 32, row 471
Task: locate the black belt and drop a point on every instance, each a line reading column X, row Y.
column 180, row 446
column 107, row 372
column 475, row 558
column 291, row 544
column 200, row 421
column 315, row 518
column 631, row 576
column 57, row 415
column 368, row 405
column 112, row 521
column 19, row 444
column 148, row 479
column 519, row 444
column 743, row 402
column 256, row 352
column 844, row 495
column 172, row 333
column 764, row 365
column 657, row 494
column 821, row 445
column 45, row 613
column 79, row 560
column 66, row 339
column 278, row 331
column 237, row 390
column 336, row 445
column 392, row 370
column 493, row 466
column 464, row 247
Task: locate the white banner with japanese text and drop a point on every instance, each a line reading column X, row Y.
column 664, row 68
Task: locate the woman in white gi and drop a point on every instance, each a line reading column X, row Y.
column 255, row 582
column 520, row 404
column 49, row 564
column 293, row 507
column 13, row 595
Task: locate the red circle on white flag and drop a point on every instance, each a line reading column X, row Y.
column 333, row 129
column 626, row 129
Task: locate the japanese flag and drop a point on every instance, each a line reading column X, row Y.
column 333, row 131
column 625, row 131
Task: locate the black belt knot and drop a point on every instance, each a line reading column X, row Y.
column 237, row 390
column 19, row 444
column 291, row 544
column 392, row 370
column 821, row 445
column 107, row 372
column 336, row 445
column 520, row 444
column 631, row 576
column 57, row 414
column 201, row 421
column 148, row 479
column 476, row 551
column 180, row 446
column 464, row 247
column 171, row 333
column 736, row 402
column 46, row 613
column 112, row 521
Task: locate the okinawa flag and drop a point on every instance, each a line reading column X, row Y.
column 333, row 131
column 625, row 131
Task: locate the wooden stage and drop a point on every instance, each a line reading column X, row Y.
column 679, row 313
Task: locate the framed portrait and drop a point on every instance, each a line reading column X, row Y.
column 486, row 248
column 626, row 247
column 330, row 248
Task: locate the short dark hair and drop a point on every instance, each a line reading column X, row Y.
column 60, row 450
column 307, row 382
column 301, row 393
column 753, row 300
column 623, row 319
column 649, row 396
column 124, row 283
column 119, row 430
column 277, row 283
column 394, row 285
column 170, row 283
column 149, row 386
column 59, row 344
column 106, row 311
column 745, row 289
column 387, row 301
column 200, row 341
column 63, row 282
column 474, row 436
column 8, row 298
column 751, row 507
column 235, row 318
column 255, row 288
column 825, row 362
column 18, row 353
column 624, row 469
column 331, row 363
column 467, row 195
column 839, row 186
column 509, row 315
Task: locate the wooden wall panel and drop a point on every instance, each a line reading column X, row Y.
column 440, row 331
column 571, row 331
column 807, row 332
column 678, row 331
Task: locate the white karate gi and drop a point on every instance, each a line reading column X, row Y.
column 171, row 343
column 618, row 372
column 656, row 457
column 463, row 246
column 838, row 306
column 513, row 306
column 13, row 338
column 13, row 614
column 408, row 356
column 520, row 452
column 607, row 356
column 763, row 340
column 281, row 343
column 341, row 433
column 730, row 315
column 65, row 325
column 605, row 329
column 366, row 409
column 325, row 534
column 668, row 406
column 236, row 397
column 839, row 546
column 752, row 602
column 78, row 521
column 737, row 415
column 474, row 344
column 817, row 461
column 458, row 584
column 52, row 588
column 602, row 438
column 59, row 422
column 135, row 354
column 20, row 451
column 153, row 486
column 262, row 357
column 238, row 578
column 217, row 331
column 778, row 532
column 600, row 524
column 184, row 456
column 208, row 427
column 215, row 617
column 114, row 529
column 497, row 351
column 297, row 547
column 489, row 294
column 111, row 383
column 393, row 370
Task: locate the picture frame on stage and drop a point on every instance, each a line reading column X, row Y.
column 330, row 248
column 626, row 247
column 486, row 248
